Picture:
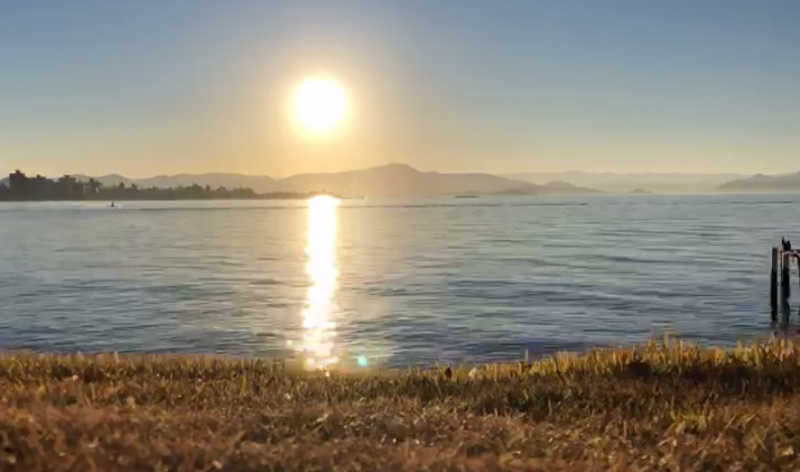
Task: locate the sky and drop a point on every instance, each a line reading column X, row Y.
column 161, row 87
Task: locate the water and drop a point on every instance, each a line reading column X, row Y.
column 388, row 282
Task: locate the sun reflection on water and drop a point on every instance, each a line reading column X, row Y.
column 319, row 329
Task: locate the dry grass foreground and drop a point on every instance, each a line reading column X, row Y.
column 655, row 407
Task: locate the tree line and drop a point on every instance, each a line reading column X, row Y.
column 20, row 187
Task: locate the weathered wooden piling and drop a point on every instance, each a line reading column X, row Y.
column 786, row 283
column 773, row 284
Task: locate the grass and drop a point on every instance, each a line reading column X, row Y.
column 653, row 407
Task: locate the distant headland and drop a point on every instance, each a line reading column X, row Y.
column 390, row 180
column 20, row 187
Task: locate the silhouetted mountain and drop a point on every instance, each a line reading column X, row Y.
column 392, row 180
column 764, row 184
column 559, row 187
column 398, row 180
column 107, row 180
column 256, row 182
column 385, row 181
column 23, row 187
column 550, row 188
column 613, row 182
column 259, row 183
column 525, row 189
column 640, row 191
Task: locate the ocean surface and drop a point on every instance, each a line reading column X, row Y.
column 389, row 282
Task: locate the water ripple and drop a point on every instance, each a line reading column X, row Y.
column 419, row 281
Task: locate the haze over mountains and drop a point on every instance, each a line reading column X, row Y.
column 623, row 183
column 400, row 180
column 259, row 183
column 764, row 183
column 392, row 180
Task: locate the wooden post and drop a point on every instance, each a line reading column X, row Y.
column 773, row 284
column 797, row 257
column 786, row 286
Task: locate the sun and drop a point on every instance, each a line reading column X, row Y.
column 319, row 105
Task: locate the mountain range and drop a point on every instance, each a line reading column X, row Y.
column 401, row 180
column 391, row 180
column 764, row 183
column 259, row 183
column 623, row 183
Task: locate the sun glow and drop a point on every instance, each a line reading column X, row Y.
column 318, row 105
column 319, row 330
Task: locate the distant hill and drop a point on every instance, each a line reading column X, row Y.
column 391, row 180
column 397, row 180
column 403, row 180
column 255, row 182
column 559, row 187
column 622, row 183
column 640, row 191
column 764, row 184
column 106, row 180
column 550, row 188
column 259, row 183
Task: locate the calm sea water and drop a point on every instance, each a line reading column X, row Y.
column 388, row 282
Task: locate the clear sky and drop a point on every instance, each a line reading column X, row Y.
column 152, row 86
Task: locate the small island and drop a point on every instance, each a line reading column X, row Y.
column 640, row 191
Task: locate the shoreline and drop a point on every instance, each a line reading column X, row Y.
column 106, row 200
column 649, row 407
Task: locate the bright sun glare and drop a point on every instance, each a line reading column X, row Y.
column 320, row 310
column 319, row 105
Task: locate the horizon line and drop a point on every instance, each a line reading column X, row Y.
column 499, row 174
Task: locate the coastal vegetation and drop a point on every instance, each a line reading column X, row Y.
column 391, row 180
column 661, row 406
column 67, row 188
